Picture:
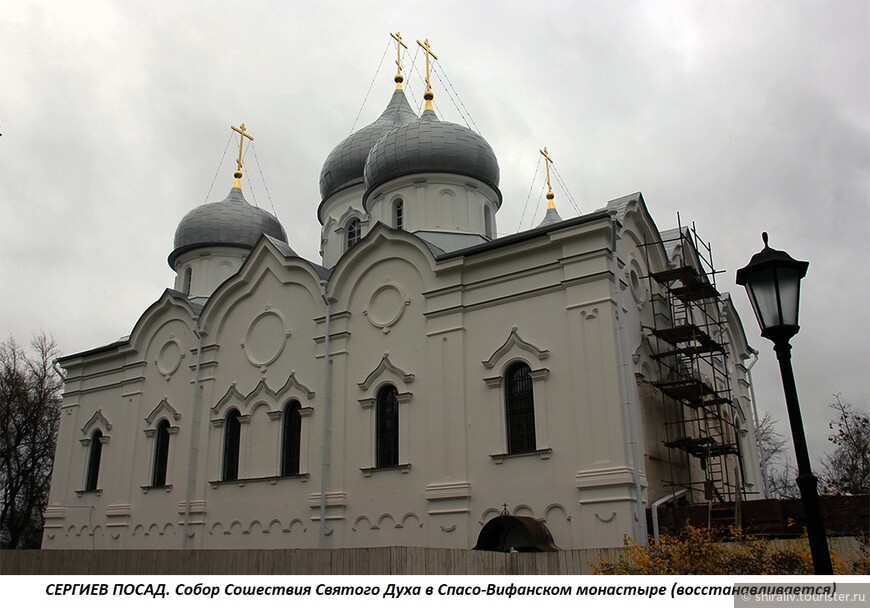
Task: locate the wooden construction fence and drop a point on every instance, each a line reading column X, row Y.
column 376, row 560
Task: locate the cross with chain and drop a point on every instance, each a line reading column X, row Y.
column 241, row 131
column 549, row 160
column 428, row 95
column 399, row 44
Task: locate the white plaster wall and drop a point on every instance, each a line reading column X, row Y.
column 398, row 317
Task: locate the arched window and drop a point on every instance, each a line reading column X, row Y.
column 353, row 233
column 232, row 441
column 399, row 213
column 94, row 457
column 387, row 427
column 188, row 277
column 291, row 439
column 161, row 454
column 520, row 409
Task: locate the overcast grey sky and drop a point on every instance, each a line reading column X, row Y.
column 741, row 116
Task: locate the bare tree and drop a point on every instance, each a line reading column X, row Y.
column 779, row 473
column 771, row 443
column 29, row 406
column 782, row 480
column 846, row 469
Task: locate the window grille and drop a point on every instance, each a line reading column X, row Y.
column 399, row 213
column 291, row 439
column 94, row 458
column 387, row 430
column 520, row 404
column 232, row 442
column 354, row 233
column 161, row 454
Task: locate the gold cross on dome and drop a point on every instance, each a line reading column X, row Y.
column 549, row 160
column 399, row 44
column 428, row 95
column 241, row 131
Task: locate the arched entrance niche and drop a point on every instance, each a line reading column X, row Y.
column 508, row 533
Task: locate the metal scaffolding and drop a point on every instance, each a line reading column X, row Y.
column 688, row 338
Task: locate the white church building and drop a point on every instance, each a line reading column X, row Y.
column 422, row 381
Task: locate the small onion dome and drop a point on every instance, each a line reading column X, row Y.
column 430, row 145
column 232, row 222
column 552, row 216
column 344, row 165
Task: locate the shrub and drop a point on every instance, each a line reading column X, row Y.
column 701, row 551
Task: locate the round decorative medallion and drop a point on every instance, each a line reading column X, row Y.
column 386, row 306
column 169, row 358
column 266, row 338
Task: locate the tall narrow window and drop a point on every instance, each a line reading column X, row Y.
column 291, row 439
column 399, row 213
column 161, row 454
column 94, row 457
column 353, row 233
column 487, row 222
column 387, row 427
column 520, row 414
column 188, row 277
column 232, row 441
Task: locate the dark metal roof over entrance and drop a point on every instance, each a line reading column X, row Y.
column 508, row 533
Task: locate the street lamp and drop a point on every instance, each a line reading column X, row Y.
column 772, row 280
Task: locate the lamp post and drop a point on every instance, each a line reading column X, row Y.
column 772, row 280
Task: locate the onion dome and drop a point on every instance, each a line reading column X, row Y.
column 429, row 145
column 344, row 165
column 551, row 217
column 232, row 222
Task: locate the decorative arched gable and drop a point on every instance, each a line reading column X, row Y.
column 163, row 410
column 386, row 367
column 292, row 389
column 171, row 306
column 263, row 394
column 514, row 342
column 350, row 213
column 293, row 385
column 232, row 398
column 265, row 258
column 413, row 251
column 96, row 422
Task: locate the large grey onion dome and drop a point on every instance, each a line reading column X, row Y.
column 430, row 145
column 232, row 222
column 344, row 165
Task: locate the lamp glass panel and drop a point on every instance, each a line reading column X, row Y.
column 789, row 294
column 762, row 293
